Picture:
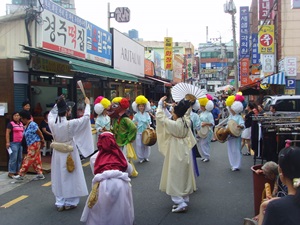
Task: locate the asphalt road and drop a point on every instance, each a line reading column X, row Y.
column 223, row 197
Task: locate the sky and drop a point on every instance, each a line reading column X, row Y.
column 184, row 21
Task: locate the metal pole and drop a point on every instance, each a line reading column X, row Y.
column 235, row 64
column 108, row 17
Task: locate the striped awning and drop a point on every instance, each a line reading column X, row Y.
column 278, row 79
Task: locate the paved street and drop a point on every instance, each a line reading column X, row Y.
column 223, row 197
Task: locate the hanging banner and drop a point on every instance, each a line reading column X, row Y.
column 255, row 55
column 168, row 56
column 244, row 71
column 268, row 63
column 264, row 9
column 266, row 39
column 244, row 32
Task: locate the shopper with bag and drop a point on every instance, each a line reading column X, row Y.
column 67, row 177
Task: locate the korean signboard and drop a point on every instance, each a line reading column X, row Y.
column 244, row 71
column 289, row 66
column 244, row 32
column 62, row 31
column 268, row 63
column 98, row 44
column 168, row 53
column 255, row 55
column 266, row 39
column 128, row 54
column 264, row 9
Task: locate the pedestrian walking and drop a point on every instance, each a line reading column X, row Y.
column 14, row 135
column 34, row 140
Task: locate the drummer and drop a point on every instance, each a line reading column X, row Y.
column 235, row 106
column 206, row 120
column 142, row 120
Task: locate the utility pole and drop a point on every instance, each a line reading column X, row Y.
column 229, row 7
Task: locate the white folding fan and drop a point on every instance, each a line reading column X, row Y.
column 181, row 89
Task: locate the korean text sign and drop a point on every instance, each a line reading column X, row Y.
column 168, row 56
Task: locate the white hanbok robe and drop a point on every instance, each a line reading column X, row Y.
column 234, row 144
column 175, row 143
column 206, row 117
column 66, row 184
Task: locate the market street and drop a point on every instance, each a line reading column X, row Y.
column 223, row 197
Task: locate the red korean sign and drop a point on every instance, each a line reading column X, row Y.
column 244, row 71
column 264, row 9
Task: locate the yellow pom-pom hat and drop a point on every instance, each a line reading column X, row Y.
column 141, row 100
column 100, row 104
column 207, row 103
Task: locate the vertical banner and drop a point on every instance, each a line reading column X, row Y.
column 264, row 9
column 244, row 71
column 268, row 63
column 168, row 56
column 290, row 66
column 255, row 55
column 244, row 32
column 266, row 39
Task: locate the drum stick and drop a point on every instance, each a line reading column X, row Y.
column 81, row 88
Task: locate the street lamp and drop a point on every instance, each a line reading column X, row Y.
column 230, row 8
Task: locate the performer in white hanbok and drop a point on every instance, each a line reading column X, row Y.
column 175, row 141
column 102, row 122
column 110, row 201
column 142, row 120
column 67, row 186
column 206, row 119
column 235, row 107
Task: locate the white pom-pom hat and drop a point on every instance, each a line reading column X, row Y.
column 209, row 105
column 237, row 107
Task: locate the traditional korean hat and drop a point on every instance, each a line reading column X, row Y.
column 123, row 102
column 141, row 100
column 100, row 104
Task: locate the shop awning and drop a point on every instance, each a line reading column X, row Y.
column 87, row 67
column 278, row 79
column 167, row 84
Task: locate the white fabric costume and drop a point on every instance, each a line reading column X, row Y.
column 206, row 117
column 234, row 143
column 114, row 194
column 175, row 142
column 68, row 187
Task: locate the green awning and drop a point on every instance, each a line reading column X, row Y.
column 87, row 67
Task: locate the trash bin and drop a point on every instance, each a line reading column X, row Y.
column 259, row 181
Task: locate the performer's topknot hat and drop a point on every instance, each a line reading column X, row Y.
column 141, row 100
column 100, row 104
